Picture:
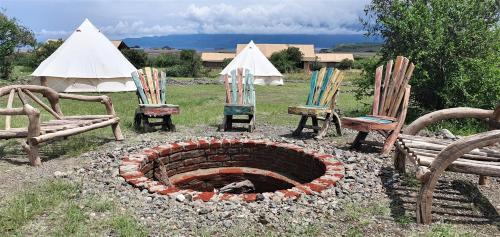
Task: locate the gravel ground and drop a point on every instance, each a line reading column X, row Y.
column 371, row 199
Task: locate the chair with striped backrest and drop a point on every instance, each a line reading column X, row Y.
column 151, row 92
column 323, row 92
column 240, row 99
column 390, row 104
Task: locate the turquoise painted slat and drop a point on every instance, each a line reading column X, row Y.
column 379, row 120
column 137, row 81
column 326, row 80
column 163, row 88
column 234, row 88
column 310, row 98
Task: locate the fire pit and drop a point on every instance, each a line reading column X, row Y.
column 203, row 168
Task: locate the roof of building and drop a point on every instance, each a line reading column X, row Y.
column 117, row 43
column 333, row 57
column 216, row 57
column 269, row 49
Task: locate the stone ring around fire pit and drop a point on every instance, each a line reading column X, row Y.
column 200, row 168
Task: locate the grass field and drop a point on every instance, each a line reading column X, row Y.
column 200, row 105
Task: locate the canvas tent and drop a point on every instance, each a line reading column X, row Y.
column 252, row 58
column 86, row 62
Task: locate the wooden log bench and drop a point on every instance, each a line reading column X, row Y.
column 476, row 154
column 61, row 126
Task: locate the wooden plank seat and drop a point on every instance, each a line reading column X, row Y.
column 476, row 154
column 240, row 99
column 390, row 104
column 321, row 100
column 151, row 93
column 61, row 126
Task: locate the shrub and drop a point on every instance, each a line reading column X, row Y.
column 43, row 51
column 191, row 61
column 453, row 43
column 166, row 60
column 345, row 64
column 287, row 60
column 137, row 57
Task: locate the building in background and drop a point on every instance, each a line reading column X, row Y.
column 216, row 60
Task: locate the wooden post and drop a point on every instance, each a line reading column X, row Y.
column 484, row 180
column 33, row 131
column 9, row 105
column 43, row 81
column 117, row 132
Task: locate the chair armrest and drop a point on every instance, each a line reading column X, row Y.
column 95, row 98
column 100, row 98
column 25, row 110
column 440, row 115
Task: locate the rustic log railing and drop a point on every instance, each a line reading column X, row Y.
column 61, row 126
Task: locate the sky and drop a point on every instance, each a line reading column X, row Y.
column 133, row 18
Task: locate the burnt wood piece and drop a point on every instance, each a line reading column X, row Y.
column 240, row 99
column 476, row 154
column 151, row 92
column 321, row 101
column 390, row 104
column 37, row 132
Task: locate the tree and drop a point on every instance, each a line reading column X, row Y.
column 166, row 60
column 191, row 61
column 12, row 35
column 455, row 45
column 43, row 51
column 345, row 64
column 287, row 60
column 137, row 57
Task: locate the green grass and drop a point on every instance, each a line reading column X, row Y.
column 444, row 230
column 57, row 205
column 200, row 105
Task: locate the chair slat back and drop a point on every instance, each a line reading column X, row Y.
column 324, row 86
column 239, row 87
column 150, row 88
column 388, row 96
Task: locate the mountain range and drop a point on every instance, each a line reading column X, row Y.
column 227, row 42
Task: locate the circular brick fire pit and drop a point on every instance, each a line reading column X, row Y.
column 200, row 168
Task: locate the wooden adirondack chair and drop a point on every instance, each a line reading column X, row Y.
column 152, row 96
column 240, row 99
column 322, row 98
column 390, row 103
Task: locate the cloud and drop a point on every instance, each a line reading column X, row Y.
column 53, row 33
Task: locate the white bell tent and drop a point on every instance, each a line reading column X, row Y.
column 253, row 59
column 86, row 62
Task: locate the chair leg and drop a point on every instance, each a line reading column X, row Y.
column 302, row 123
column 145, row 124
column 424, row 202
column 389, row 142
column 326, row 125
column 117, row 131
column 336, row 121
column 359, row 138
column 228, row 125
column 251, row 123
column 137, row 121
column 33, row 154
column 315, row 123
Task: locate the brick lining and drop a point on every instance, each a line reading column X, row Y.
column 191, row 164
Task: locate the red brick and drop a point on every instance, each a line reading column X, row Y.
column 151, row 154
column 203, row 144
column 303, row 189
column 175, row 148
column 226, row 143
column 230, row 171
column 169, row 190
column 326, row 182
column 339, row 175
column 315, row 187
column 240, row 157
column 250, row 197
column 289, row 194
column 194, row 160
column 215, row 144
column 204, row 196
column 191, row 146
column 218, row 158
column 225, row 197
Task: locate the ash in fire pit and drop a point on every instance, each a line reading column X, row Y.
column 231, row 170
